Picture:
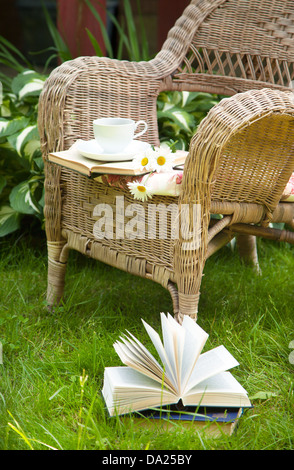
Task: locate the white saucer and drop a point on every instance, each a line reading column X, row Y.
column 92, row 150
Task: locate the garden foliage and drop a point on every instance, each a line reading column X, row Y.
column 180, row 113
column 21, row 164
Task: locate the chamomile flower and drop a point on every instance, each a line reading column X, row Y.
column 163, row 160
column 144, row 160
column 140, row 190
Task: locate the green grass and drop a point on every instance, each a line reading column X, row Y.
column 53, row 363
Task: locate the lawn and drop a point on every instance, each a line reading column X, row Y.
column 53, row 363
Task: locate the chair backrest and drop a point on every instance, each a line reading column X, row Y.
column 216, row 46
column 234, row 45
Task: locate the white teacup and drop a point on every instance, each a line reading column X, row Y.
column 115, row 134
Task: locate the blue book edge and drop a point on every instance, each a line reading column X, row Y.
column 193, row 413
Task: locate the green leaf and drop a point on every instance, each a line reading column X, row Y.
column 24, row 78
column 30, row 148
column 6, row 81
column 184, row 119
column 133, row 35
column 11, row 59
column 188, row 96
column 62, row 48
column 104, row 33
column 5, row 110
column 144, row 40
column 123, row 38
column 13, row 162
column 19, row 141
column 14, row 50
column 261, row 395
column 38, row 161
column 2, row 183
column 9, row 220
column 9, row 127
column 95, row 44
column 22, row 200
column 181, row 118
column 205, row 106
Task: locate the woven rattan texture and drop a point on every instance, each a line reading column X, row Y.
column 126, row 230
column 241, row 42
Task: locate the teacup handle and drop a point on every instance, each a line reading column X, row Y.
column 143, row 131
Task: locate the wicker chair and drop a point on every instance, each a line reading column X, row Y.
column 239, row 162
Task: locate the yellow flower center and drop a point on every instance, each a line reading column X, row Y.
column 142, row 189
column 161, row 161
column 144, row 161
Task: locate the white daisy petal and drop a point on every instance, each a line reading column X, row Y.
column 159, row 159
column 140, row 190
column 144, row 161
column 164, row 160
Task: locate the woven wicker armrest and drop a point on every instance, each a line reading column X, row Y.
column 241, row 157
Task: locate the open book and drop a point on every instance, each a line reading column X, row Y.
column 71, row 158
column 185, row 373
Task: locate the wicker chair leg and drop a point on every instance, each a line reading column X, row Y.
column 247, row 249
column 175, row 298
column 57, row 261
column 188, row 305
column 190, row 252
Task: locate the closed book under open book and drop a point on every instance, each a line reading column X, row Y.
column 185, row 374
column 214, row 421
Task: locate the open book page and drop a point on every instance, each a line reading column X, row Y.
column 209, row 364
column 182, row 347
column 126, row 390
column 134, row 354
column 173, row 341
column 220, row 390
column 195, row 339
column 155, row 338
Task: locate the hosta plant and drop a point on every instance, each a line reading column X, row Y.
column 180, row 113
column 21, row 164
